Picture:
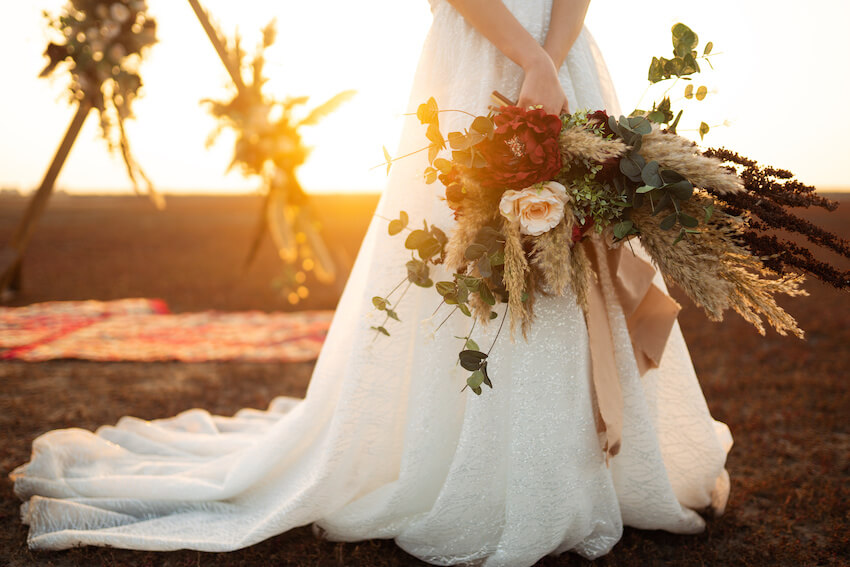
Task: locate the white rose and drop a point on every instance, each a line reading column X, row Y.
column 538, row 208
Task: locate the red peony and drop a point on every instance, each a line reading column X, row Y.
column 524, row 150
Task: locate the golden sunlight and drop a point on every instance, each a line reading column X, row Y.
column 768, row 67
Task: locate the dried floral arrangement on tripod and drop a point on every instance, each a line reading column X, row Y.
column 269, row 145
column 101, row 43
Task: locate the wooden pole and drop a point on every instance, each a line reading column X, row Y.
column 11, row 255
column 229, row 64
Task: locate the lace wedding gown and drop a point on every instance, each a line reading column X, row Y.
column 384, row 445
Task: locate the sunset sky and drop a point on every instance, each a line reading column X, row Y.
column 781, row 84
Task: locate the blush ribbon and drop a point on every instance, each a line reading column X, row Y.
column 650, row 314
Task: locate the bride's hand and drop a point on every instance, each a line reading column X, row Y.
column 542, row 87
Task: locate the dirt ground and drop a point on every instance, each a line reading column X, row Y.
column 786, row 401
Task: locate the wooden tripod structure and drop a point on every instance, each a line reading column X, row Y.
column 12, row 253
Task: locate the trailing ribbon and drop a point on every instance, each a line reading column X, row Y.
column 650, row 314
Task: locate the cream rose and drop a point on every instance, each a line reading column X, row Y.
column 538, row 208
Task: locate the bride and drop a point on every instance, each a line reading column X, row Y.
column 384, row 445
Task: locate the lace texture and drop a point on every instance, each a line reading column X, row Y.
column 384, row 445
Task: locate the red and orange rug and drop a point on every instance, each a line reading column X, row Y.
column 144, row 330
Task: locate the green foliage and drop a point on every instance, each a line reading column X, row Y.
column 399, row 224
column 476, row 362
column 683, row 64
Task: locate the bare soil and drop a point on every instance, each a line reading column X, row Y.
column 787, row 401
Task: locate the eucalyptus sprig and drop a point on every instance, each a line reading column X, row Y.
column 683, row 64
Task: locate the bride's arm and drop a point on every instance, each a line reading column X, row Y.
column 564, row 26
column 497, row 24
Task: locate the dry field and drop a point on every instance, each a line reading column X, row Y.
column 786, row 401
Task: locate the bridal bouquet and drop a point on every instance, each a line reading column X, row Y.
column 550, row 204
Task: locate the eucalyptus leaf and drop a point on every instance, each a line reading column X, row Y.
column 656, row 116
column 640, row 125
column 483, row 125
column 388, row 159
column 379, row 302
column 381, row 330
column 703, row 130
column 484, row 267
column 650, row 174
column 429, row 248
column 476, row 379
column 462, row 294
column 395, row 227
column 622, row 229
column 471, row 345
column 475, row 251
column 435, row 136
column 439, row 235
column 689, row 64
column 471, row 359
column 392, row 315
column 469, row 282
column 629, row 168
column 416, row 239
column 670, row 176
column 656, row 70
column 487, row 234
column 668, row 222
column 688, row 221
column 427, row 112
column 445, row 288
column 701, row 92
column 464, row 309
column 486, row 296
column 433, row 151
column 682, row 190
column 443, row 165
column 458, row 141
column 486, row 376
column 418, row 273
column 664, row 202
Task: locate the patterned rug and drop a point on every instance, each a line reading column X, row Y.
column 143, row 330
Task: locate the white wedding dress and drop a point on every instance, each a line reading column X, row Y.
column 385, row 445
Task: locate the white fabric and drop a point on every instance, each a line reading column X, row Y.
column 384, row 445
